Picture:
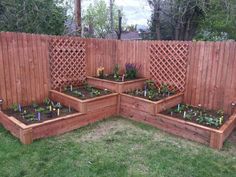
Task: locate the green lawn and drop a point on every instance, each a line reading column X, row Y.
column 115, row 147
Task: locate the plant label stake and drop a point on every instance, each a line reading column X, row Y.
column 178, row 107
column 69, row 109
column 50, row 108
column 39, row 116
column 19, row 108
column 184, row 114
column 58, row 112
column 123, row 78
column 145, row 90
column 71, row 88
column 1, row 103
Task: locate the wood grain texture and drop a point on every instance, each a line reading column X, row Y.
column 24, row 72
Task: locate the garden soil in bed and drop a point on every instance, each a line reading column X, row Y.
column 140, row 94
column 111, row 78
column 84, row 93
column 44, row 116
column 192, row 113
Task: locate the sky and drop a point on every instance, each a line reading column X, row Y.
column 136, row 11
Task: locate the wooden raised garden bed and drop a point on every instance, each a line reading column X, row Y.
column 206, row 135
column 148, row 106
column 118, row 87
column 85, row 105
column 50, row 122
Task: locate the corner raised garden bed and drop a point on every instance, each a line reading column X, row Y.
column 116, row 86
column 85, row 104
column 206, row 135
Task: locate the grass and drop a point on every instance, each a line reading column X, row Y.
column 115, row 147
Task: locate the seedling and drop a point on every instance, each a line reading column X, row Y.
column 14, row 107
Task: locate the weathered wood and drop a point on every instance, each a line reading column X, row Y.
column 87, row 105
column 152, row 107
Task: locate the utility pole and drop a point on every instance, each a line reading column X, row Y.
column 120, row 23
column 111, row 15
column 78, row 16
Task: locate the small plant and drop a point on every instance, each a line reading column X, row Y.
column 78, row 93
column 40, row 109
column 14, row 107
column 151, row 94
column 165, row 88
column 35, row 105
column 116, row 72
column 95, row 92
column 150, row 85
column 29, row 116
column 131, row 70
column 58, row 106
column 47, row 101
column 100, row 72
column 88, row 87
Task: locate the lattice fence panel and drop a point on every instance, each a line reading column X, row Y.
column 67, row 61
column 168, row 64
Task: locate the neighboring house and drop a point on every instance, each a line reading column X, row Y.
column 131, row 35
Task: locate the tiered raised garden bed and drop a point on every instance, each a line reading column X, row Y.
column 89, row 110
column 116, row 86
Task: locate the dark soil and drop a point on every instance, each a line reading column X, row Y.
column 110, row 77
column 140, row 93
column 194, row 113
column 86, row 92
column 45, row 113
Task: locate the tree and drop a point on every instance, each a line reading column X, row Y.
column 97, row 20
column 176, row 19
column 219, row 22
column 32, row 16
column 78, row 16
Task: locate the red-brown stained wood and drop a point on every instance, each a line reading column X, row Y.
column 118, row 87
column 85, row 106
column 151, row 107
column 28, row 133
column 212, row 137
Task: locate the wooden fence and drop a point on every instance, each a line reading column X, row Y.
column 25, row 74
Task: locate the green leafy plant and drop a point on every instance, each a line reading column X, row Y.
column 165, row 88
column 30, row 116
column 88, row 87
column 35, row 105
column 151, row 94
column 40, row 109
column 131, row 70
column 14, row 107
column 95, row 92
column 78, row 93
column 150, row 85
column 58, row 105
column 47, row 101
column 116, row 72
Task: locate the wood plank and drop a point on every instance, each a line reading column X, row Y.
column 3, row 94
